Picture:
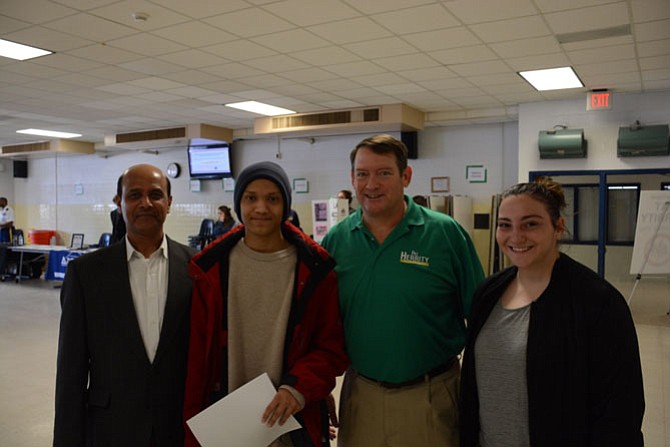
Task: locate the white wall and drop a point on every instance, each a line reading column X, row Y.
column 47, row 199
column 601, row 130
column 7, row 180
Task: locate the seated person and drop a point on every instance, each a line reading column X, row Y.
column 346, row 194
column 225, row 222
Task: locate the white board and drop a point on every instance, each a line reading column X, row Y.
column 651, row 252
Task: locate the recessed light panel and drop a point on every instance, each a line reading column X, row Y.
column 19, row 51
column 260, row 108
column 49, row 133
column 552, row 78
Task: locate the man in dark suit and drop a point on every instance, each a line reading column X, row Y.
column 124, row 330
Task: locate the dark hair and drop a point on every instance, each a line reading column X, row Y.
column 347, row 195
column 421, row 200
column 383, row 144
column 545, row 190
column 227, row 215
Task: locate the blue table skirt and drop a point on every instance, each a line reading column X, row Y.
column 58, row 261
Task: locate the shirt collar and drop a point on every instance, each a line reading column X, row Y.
column 130, row 250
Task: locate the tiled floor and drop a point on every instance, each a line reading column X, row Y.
column 29, row 314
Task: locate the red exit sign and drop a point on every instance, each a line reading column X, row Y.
column 599, row 100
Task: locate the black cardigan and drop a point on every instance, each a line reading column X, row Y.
column 583, row 364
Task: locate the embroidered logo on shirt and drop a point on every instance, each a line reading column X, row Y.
column 414, row 258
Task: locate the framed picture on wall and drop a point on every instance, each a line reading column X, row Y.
column 300, row 185
column 439, row 184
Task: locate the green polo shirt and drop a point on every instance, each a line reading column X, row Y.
column 404, row 302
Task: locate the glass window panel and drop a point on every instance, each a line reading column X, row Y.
column 587, row 213
column 621, row 213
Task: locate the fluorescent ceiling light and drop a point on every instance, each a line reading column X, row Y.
column 260, row 108
column 19, row 51
column 552, row 78
column 49, row 133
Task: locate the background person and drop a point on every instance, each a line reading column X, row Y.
column 116, row 215
column 6, row 221
column 124, row 330
column 346, row 194
column 265, row 300
column 406, row 275
column 225, row 221
column 552, row 355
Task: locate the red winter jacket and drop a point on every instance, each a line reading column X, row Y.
column 314, row 353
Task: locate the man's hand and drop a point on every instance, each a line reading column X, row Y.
column 280, row 408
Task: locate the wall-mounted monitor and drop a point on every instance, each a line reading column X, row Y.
column 209, row 161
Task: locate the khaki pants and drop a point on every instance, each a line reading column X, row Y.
column 422, row 415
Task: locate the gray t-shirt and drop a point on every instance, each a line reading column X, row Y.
column 500, row 365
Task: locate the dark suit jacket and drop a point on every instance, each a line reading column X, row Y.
column 118, row 226
column 107, row 391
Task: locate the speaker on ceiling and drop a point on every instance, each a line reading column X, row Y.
column 20, row 169
column 411, row 141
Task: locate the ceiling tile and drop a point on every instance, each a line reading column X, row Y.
column 292, row 40
column 477, row 11
column 122, row 12
column 324, row 56
column 513, row 29
column 653, row 48
column 90, row 27
column 655, row 62
column 397, row 63
column 277, row 64
column 340, row 32
column 462, row 55
column 194, row 34
column 239, row 50
column 47, row 39
column 526, row 47
column 308, row 75
column 660, row 29
column 150, row 66
column 417, row 19
column 35, row 11
column 192, row 59
column 426, row 74
column 650, row 10
column 377, row 6
column 353, row 69
column 602, row 54
column 147, row 44
column 586, row 19
column 249, row 22
column 390, row 46
column 309, row 12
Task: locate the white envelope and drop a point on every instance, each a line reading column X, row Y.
column 235, row 420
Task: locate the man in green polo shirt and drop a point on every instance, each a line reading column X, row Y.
column 406, row 276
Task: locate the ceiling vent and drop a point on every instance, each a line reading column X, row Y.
column 385, row 118
column 47, row 148
column 168, row 138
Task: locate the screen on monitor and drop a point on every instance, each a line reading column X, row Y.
column 209, row 161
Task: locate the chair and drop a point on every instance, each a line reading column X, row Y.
column 104, row 241
column 204, row 236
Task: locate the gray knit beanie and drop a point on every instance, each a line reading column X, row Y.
column 267, row 170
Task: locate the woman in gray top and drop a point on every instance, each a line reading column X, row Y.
column 552, row 356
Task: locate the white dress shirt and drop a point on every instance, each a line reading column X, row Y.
column 6, row 215
column 149, row 284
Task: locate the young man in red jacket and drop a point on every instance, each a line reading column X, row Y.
column 265, row 299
